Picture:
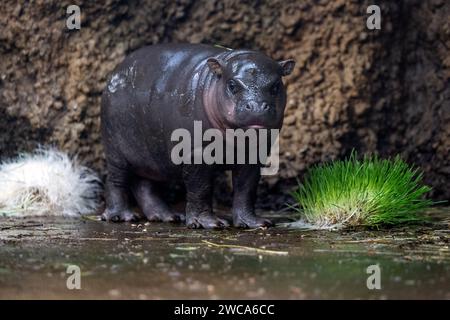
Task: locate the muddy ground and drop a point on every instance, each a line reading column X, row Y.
column 164, row 261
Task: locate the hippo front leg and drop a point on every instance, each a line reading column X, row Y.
column 199, row 186
column 245, row 184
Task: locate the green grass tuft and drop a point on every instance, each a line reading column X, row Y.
column 371, row 192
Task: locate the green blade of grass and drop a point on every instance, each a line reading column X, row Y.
column 370, row 191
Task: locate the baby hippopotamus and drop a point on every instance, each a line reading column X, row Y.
column 161, row 88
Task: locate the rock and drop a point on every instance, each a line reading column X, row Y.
column 352, row 87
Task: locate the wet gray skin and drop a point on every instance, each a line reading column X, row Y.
column 161, row 260
column 144, row 103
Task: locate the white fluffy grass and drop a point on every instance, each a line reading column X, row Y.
column 47, row 182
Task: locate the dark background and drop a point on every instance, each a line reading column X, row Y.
column 381, row 91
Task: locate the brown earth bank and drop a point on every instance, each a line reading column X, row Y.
column 379, row 91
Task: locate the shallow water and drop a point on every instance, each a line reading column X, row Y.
column 149, row 261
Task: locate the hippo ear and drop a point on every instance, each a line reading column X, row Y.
column 216, row 66
column 287, row 66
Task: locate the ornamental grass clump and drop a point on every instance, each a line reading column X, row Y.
column 370, row 191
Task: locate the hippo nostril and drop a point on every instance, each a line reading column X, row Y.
column 265, row 106
column 248, row 106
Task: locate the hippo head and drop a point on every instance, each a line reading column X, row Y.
column 248, row 91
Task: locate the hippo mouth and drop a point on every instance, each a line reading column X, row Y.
column 256, row 122
column 255, row 126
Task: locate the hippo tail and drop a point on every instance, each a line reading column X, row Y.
column 48, row 182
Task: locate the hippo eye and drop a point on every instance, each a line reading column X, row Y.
column 275, row 88
column 233, row 86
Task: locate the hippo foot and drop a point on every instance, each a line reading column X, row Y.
column 166, row 217
column 252, row 222
column 119, row 216
column 206, row 221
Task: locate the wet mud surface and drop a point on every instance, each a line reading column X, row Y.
column 165, row 261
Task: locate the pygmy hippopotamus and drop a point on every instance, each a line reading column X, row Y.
column 160, row 88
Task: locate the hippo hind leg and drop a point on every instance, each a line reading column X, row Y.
column 117, row 196
column 151, row 204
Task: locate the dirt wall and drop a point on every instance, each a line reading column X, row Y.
column 384, row 91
